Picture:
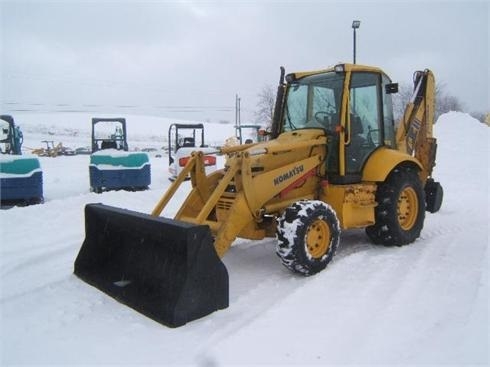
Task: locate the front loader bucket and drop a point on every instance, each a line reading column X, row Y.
column 168, row 270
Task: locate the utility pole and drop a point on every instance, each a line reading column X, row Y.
column 237, row 117
column 237, row 110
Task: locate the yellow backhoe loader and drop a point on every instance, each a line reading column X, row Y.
column 335, row 160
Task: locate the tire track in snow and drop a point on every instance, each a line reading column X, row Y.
column 258, row 282
column 422, row 298
column 37, row 270
column 38, row 255
column 266, row 284
column 354, row 276
column 368, row 288
column 40, row 250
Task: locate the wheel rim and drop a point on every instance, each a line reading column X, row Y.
column 318, row 238
column 408, row 208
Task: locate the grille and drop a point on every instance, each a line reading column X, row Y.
column 224, row 204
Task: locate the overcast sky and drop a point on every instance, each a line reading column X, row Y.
column 188, row 59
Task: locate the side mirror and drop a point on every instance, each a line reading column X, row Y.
column 391, row 88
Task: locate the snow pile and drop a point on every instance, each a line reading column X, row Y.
column 425, row 303
column 9, row 158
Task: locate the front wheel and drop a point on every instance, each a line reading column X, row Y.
column 400, row 212
column 308, row 235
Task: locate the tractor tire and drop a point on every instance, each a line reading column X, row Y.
column 308, row 235
column 434, row 194
column 400, row 212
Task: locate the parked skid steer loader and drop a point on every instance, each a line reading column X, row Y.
column 21, row 177
column 183, row 139
column 112, row 166
column 334, row 161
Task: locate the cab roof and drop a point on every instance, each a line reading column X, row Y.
column 341, row 67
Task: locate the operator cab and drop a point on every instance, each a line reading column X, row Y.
column 109, row 133
column 353, row 105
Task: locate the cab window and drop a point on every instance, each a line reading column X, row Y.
column 313, row 102
column 364, row 108
column 388, row 119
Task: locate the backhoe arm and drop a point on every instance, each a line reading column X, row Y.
column 414, row 134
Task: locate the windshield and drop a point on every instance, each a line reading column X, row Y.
column 314, row 102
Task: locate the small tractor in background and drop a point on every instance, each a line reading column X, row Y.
column 52, row 150
column 335, row 160
column 183, row 139
column 257, row 135
column 21, row 177
column 112, row 167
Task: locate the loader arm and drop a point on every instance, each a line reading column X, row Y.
column 414, row 134
column 245, row 203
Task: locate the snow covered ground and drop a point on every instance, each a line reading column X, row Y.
column 426, row 303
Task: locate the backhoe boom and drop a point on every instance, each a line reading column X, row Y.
column 414, row 135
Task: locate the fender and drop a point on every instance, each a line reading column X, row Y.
column 382, row 162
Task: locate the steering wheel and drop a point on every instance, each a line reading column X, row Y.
column 321, row 116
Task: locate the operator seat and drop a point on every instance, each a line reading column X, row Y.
column 189, row 142
column 108, row 145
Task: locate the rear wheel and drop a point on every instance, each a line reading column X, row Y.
column 401, row 209
column 433, row 195
column 308, row 235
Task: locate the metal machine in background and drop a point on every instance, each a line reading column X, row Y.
column 250, row 133
column 112, row 167
column 21, row 177
column 183, row 139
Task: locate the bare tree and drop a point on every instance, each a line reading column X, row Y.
column 481, row 116
column 401, row 99
column 265, row 105
column 446, row 102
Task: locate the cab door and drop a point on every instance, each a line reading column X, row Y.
column 364, row 127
